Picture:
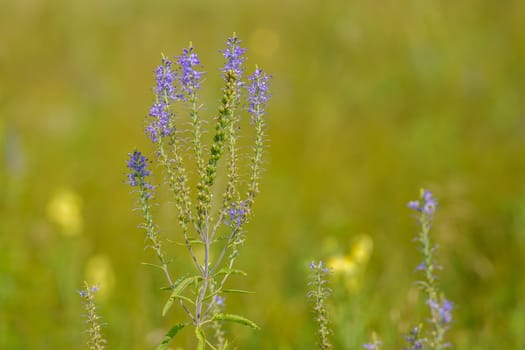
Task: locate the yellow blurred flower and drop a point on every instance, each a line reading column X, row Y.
column 342, row 264
column 349, row 268
column 65, row 210
column 99, row 272
column 361, row 249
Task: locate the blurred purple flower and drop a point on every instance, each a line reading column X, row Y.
column 413, row 339
column 428, row 205
column 444, row 310
column 421, row 267
column 373, row 346
column 219, row 301
column 319, row 266
column 414, row 205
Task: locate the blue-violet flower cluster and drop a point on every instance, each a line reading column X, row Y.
column 137, row 165
column 258, row 93
column 427, row 205
column 444, row 310
column 160, row 124
column 237, row 213
column 190, row 78
column 234, row 57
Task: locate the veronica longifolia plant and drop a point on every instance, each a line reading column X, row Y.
column 440, row 308
column 213, row 227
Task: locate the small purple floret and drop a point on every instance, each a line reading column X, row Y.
column 421, row 267
column 218, row 300
column 414, row 205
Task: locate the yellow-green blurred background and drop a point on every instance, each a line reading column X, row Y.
column 371, row 101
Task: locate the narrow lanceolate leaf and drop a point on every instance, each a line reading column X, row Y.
column 152, row 265
column 169, row 336
column 200, row 338
column 225, row 271
column 237, row 291
column 177, row 292
column 235, row 318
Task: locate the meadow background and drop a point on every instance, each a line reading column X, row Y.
column 371, row 101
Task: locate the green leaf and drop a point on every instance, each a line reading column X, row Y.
column 152, row 265
column 237, row 291
column 225, row 271
column 235, row 318
column 201, row 338
column 171, row 333
column 178, row 288
column 190, row 241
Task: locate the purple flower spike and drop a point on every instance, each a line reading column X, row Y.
column 164, row 77
column 189, row 77
column 138, row 171
column 160, row 125
column 234, row 56
column 258, row 93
